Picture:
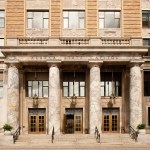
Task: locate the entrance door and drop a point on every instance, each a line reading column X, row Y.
column 37, row 121
column 111, row 120
column 73, row 119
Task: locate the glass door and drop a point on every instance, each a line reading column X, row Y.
column 37, row 121
column 110, row 120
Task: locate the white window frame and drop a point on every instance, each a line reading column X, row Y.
column 69, row 20
column 102, row 19
column 31, row 18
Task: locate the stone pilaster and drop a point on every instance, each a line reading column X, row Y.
column 54, row 99
column 95, row 96
column 135, row 95
column 13, row 96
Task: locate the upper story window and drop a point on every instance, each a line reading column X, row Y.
column 2, row 19
column 1, row 88
column 39, row 88
column 74, row 84
column 146, row 18
column 109, row 19
column 37, row 84
column 38, row 19
column 111, row 84
column 147, row 83
column 1, row 41
column 73, row 19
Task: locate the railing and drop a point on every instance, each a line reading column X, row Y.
column 133, row 134
column 97, row 135
column 33, row 41
column 16, row 134
column 53, row 132
column 74, row 41
column 115, row 42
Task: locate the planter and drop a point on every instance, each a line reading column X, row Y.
column 7, row 132
column 142, row 131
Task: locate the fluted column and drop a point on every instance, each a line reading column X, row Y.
column 54, row 99
column 95, row 96
column 135, row 96
column 13, row 96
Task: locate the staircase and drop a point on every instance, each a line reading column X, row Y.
column 74, row 140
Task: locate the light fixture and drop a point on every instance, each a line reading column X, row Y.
column 35, row 101
column 74, row 97
column 35, row 97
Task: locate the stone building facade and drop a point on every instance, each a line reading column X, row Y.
column 74, row 65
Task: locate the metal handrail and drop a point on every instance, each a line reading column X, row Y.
column 53, row 133
column 97, row 134
column 16, row 134
column 133, row 134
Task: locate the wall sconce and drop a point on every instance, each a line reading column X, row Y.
column 73, row 101
column 35, row 101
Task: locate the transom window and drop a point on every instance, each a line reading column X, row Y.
column 146, row 42
column 2, row 19
column 73, row 19
column 110, row 84
column 1, row 88
column 73, row 83
column 147, row 83
column 109, row 19
column 37, row 19
column 146, row 18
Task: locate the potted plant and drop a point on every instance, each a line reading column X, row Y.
column 141, row 128
column 7, row 129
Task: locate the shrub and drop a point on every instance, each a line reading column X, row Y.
column 7, row 127
column 141, row 126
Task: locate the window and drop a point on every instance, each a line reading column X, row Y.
column 73, row 19
column 146, row 42
column 2, row 19
column 1, row 41
column 110, row 83
column 40, row 88
column 147, row 83
column 37, row 19
column 1, row 88
column 74, row 83
column 109, row 19
column 146, row 19
column 148, row 116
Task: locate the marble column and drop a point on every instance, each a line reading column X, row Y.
column 135, row 96
column 94, row 101
column 54, row 99
column 13, row 96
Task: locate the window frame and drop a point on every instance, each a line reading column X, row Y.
column 108, row 88
column 2, row 18
column 103, row 26
column 38, row 88
column 71, row 89
column 148, row 17
column 32, row 19
column 68, row 20
column 146, row 84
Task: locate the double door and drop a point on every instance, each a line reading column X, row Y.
column 73, row 121
column 37, row 121
column 111, row 120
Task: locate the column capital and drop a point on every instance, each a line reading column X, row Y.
column 95, row 63
column 137, row 63
column 54, row 63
